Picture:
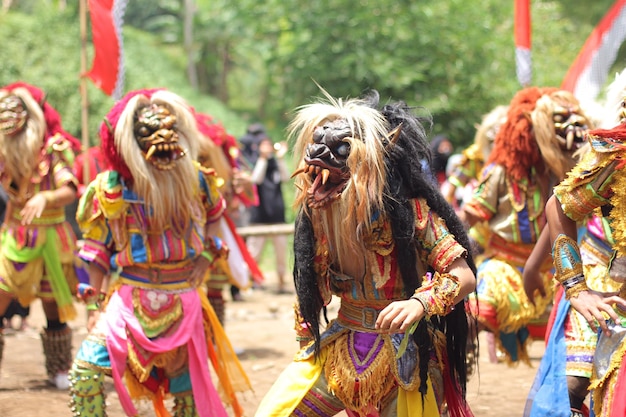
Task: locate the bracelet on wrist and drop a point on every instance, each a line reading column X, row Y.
column 437, row 294
column 88, row 294
column 574, row 286
column 568, row 266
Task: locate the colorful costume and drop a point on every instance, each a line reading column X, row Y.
column 373, row 250
column 38, row 257
column 158, row 330
column 571, row 343
column 598, row 181
column 532, row 152
column 562, row 381
column 467, row 174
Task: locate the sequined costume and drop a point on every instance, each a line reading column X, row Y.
column 467, row 174
column 408, row 250
column 571, row 342
column 530, row 155
column 157, row 332
column 38, row 257
column 598, row 182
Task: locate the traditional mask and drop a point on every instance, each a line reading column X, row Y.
column 570, row 126
column 155, row 131
column 13, row 115
column 325, row 161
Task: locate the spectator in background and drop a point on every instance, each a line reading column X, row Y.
column 268, row 173
column 441, row 148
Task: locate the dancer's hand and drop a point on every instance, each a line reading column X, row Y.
column 33, row 208
column 400, row 315
column 200, row 268
column 595, row 306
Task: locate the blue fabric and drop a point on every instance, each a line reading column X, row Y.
column 549, row 396
column 511, row 342
column 181, row 383
column 94, row 352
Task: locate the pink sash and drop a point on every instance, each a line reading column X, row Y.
column 120, row 317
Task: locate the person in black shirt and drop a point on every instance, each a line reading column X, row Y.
column 268, row 174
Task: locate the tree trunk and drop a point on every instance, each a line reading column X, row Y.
column 188, row 40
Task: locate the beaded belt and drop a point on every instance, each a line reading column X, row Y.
column 360, row 317
column 170, row 274
column 49, row 217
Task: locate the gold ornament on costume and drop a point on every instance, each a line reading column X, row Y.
column 13, row 115
column 155, row 131
column 618, row 213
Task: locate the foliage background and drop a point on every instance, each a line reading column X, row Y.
column 245, row 60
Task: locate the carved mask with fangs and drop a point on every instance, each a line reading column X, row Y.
column 13, row 115
column 570, row 126
column 155, row 132
column 325, row 163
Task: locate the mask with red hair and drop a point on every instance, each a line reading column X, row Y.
column 543, row 126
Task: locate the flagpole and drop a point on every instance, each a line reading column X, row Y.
column 522, row 29
column 83, row 88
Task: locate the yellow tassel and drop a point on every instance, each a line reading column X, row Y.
column 358, row 391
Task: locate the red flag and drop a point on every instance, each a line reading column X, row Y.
column 590, row 70
column 107, row 71
column 523, row 59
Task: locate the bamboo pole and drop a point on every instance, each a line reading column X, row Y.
column 83, row 88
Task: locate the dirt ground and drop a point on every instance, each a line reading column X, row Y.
column 261, row 327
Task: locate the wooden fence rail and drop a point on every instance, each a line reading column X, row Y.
column 266, row 229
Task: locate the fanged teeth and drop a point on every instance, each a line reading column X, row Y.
column 164, row 147
column 150, row 152
column 570, row 139
column 313, row 169
column 298, row 172
column 325, row 175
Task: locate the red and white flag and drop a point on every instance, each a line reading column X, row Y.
column 587, row 75
column 107, row 71
column 523, row 61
